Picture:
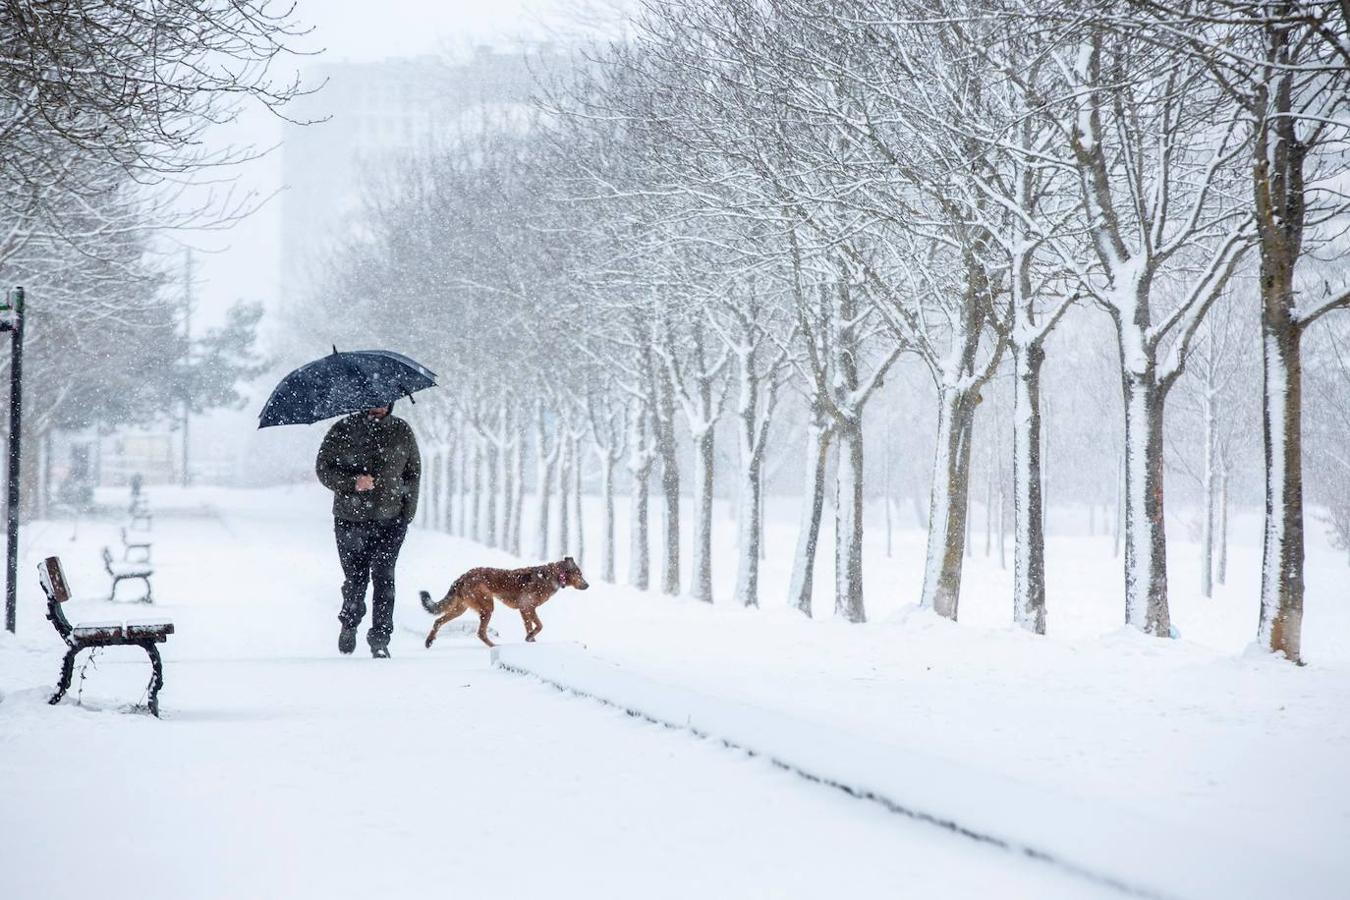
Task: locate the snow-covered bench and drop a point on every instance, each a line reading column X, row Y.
column 83, row 636
column 140, row 513
column 127, row 571
column 130, row 545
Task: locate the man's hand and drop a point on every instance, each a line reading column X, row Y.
column 365, row 482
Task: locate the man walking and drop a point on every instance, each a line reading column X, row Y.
column 370, row 461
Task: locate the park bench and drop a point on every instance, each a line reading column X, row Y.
column 140, row 547
column 127, row 571
column 140, row 516
column 85, row 636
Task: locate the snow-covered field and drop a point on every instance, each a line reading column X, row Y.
column 282, row 770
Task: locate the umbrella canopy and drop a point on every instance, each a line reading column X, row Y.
column 342, row 383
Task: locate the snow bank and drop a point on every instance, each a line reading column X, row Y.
column 1109, row 846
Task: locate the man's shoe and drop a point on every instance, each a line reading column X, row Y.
column 379, row 652
column 347, row 639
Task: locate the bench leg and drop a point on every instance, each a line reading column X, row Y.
column 147, row 598
column 156, row 676
column 112, row 596
column 67, row 673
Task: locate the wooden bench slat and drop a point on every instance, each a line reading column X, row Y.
column 110, row 631
column 149, row 629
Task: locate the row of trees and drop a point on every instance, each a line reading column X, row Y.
column 104, row 115
column 747, row 200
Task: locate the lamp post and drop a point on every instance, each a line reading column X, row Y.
column 11, row 320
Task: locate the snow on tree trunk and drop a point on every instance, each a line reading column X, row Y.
column 813, row 504
column 1145, row 531
column 947, row 507
column 1029, row 546
column 848, row 526
column 1281, row 623
column 701, row 577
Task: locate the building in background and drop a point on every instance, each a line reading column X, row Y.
column 367, row 116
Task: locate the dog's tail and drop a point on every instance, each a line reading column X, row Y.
column 435, row 607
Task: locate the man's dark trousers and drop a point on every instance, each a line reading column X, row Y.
column 368, row 551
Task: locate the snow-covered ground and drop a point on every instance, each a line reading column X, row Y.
column 281, row 769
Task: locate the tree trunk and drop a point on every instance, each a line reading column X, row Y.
column 640, row 465
column 887, row 461
column 476, row 514
column 948, row 506
column 1209, row 479
column 607, row 526
column 989, row 478
column 700, row 585
column 448, row 487
column 1119, row 524
column 639, row 563
column 813, row 505
column 578, row 527
column 564, row 473
column 749, row 534
column 848, row 526
column 1145, row 530
column 670, row 519
column 518, row 499
column 1002, row 522
column 1029, row 523
column 493, row 462
column 1281, row 623
column 1222, row 574
column 508, row 492
column 436, row 471
column 462, row 496
column 543, row 487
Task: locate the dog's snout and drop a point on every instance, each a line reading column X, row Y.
column 583, row 585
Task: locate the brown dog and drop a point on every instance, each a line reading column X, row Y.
column 522, row 589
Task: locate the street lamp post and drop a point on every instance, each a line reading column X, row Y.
column 11, row 320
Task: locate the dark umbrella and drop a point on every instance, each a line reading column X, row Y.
column 343, row 383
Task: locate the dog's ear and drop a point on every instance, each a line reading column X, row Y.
column 569, row 560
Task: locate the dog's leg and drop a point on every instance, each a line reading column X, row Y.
column 526, row 617
column 536, row 625
column 484, row 617
column 455, row 610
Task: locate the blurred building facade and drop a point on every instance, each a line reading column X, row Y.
column 366, row 118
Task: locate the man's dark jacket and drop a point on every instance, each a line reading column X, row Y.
column 385, row 448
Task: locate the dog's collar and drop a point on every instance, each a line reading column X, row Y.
column 562, row 579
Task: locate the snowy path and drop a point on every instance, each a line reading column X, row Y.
column 281, row 770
